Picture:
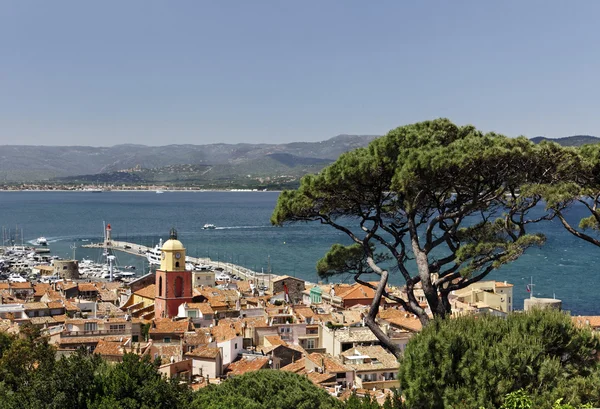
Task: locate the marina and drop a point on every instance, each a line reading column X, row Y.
column 192, row 263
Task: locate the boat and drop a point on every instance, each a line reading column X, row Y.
column 209, row 226
column 154, row 255
column 160, row 191
column 223, row 277
column 41, row 241
column 92, row 190
column 16, row 278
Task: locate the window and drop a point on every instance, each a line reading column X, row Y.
column 119, row 327
column 310, row 344
column 177, row 264
column 166, row 340
column 134, row 338
column 179, row 287
column 192, row 314
column 90, row 326
column 235, row 346
column 160, row 291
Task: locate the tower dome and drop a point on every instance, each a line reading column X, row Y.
column 173, row 243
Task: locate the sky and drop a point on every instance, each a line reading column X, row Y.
column 163, row 72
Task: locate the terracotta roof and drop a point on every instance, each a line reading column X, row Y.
column 35, row 306
column 275, row 340
column 203, row 307
column 42, row 320
column 287, row 278
column 295, row 367
column 4, row 286
column 357, row 292
column 87, row 287
column 401, row 319
column 65, row 285
column 60, row 318
column 332, row 365
column 380, row 358
column 588, row 320
column 248, row 365
column 319, row 378
column 205, row 352
column 147, row 292
column 255, row 322
column 200, row 337
column 55, row 304
column 305, row 312
column 108, row 295
column 167, row 326
column 112, row 348
column 21, row 286
column 39, row 289
column 223, row 333
column 503, row 284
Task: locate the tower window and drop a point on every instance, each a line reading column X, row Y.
column 179, row 287
column 177, row 264
column 160, row 285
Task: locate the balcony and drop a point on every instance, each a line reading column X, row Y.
column 126, row 331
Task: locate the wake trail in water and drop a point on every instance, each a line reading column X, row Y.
column 241, row 227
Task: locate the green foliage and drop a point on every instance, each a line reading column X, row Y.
column 346, row 259
column 474, row 362
column 31, row 377
column 517, row 400
column 265, row 389
column 366, row 402
column 429, row 192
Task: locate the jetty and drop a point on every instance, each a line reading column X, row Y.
column 141, row 250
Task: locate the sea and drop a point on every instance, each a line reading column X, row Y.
column 564, row 267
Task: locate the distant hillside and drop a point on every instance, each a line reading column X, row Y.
column 273, row 170
column 39, row 163
column 575, row 140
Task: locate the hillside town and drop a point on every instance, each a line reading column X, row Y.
column 205, row 330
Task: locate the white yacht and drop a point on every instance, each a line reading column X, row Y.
column 41, row 241
column 16, row 278
column 153, row 255
column 160, row 191
column 209, row 226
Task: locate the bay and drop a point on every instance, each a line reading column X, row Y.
column 564, row 267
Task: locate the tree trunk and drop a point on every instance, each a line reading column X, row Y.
column 374, row 310
column 429, row 289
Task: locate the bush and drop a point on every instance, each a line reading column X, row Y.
column 265, row 389
column 473, row 362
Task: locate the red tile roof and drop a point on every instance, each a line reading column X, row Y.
column 147, row 292
column 167, row 326
column 245, row 365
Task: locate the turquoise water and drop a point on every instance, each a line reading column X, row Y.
column 565, row 266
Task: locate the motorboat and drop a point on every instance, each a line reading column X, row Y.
column 154, row 255
column 16, row 278
column 223, row 277
column 209, row 226
column 160, row 191
column 41, row 241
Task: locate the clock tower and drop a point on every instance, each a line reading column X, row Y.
column 173, row 282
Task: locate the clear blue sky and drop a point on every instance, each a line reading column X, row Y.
column 108, row 72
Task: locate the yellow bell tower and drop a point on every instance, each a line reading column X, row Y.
column 173, row 282
column 173, row 254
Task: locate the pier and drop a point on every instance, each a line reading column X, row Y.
column 141, row 250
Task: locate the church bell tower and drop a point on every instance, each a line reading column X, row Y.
column 173, row 282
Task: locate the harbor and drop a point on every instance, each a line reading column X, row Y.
column 193, row 263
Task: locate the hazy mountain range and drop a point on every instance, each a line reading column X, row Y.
column 214, row 165
column 45, row 163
